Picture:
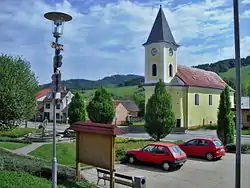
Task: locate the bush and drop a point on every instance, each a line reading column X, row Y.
column 37, row 167
column 18, row 132
column 8, row 139
column 231, row 148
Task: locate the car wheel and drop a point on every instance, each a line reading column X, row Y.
column 131, row 159
column 209, row 156
column 219, row 157
column 166, row 166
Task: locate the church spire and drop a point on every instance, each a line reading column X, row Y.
column 160, row 31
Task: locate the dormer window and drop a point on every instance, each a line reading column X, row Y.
column 170, row 52
column 154, row 70
column 170, row 70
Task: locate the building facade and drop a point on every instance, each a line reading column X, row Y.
column 195, row 92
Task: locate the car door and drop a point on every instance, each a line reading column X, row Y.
column 147, row 153
column 202, row 147
column 159, row 155
column 190, row 147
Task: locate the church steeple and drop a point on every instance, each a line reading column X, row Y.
column 161, row 32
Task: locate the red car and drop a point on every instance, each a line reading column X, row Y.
column 204, row 147
column 165, row 154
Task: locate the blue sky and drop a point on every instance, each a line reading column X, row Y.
column 105, row 36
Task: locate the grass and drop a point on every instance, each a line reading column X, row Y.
column 25, row 169
column 245, row 132
column 138, row 123
column 10, row 179
column 66, row 151
column 208, row 127
column 120, row 92
column 18, row 132
column 245, row 73
column 12, row 145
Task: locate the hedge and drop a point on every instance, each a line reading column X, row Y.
column 231, row 148
column 13, row 162
column 8, row 139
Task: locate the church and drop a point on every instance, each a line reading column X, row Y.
column 195, row 92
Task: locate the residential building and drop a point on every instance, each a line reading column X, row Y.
column 245, row 111
column 124, row 109
column 45, row 105
column 195, row 92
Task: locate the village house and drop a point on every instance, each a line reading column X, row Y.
column 45, row 105
column 125, row 109
column 245, row 111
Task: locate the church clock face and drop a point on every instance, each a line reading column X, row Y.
column 153, row 51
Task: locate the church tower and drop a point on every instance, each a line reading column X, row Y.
column 160, row 52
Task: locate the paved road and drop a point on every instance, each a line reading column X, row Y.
column 196, row 173
column 189, row 134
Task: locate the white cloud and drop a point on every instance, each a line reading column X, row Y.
column 106, row 39
column 245, row 1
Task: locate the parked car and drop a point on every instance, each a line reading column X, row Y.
column 165, row 154
column 209, row 148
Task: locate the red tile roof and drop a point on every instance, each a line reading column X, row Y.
column 43, row 92
column 201, row 78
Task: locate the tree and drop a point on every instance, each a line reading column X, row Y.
column 100, row 109
column 159, row 117
column 139, row 98
column 18, row 87
column 248, row 89
column 225, row 122
column 77, row 109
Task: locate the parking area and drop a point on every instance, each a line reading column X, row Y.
column 196, row 173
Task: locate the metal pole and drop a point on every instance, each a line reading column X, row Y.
column 54, row 162
column 238, row 95
column 67, row 110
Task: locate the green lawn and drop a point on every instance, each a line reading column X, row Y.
column 18, row 132
column 12, row 145
column 245, row 132
column 245, row 74
column 121, row 92
column 66, row 151
column 12, row 179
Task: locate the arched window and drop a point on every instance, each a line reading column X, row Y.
column 154, row 70
column 170, row 70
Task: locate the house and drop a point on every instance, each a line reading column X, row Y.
column 245, row 112
column 45, row 105
column 124, row 109
column 195, row 92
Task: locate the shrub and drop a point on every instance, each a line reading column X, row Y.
column 17, row 132
column 8, row 139
column 231, row 148
column 37, row 167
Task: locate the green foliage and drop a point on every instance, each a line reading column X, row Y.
column 17, row 163
column 231, row 148
column 18, row 132
column 248, row 89
column 16, row 140
column 77, row 109
column 18, row 87
column 139, row 98
column 100, row 109
column 159, row 117
column 225, row 122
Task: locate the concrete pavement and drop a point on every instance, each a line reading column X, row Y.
column 196, row 173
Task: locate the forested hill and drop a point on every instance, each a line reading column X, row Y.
column 225, row 68
column 223, row 65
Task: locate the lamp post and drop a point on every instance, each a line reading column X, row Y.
column 58, row 19
column 67, row 110
column 238, row 95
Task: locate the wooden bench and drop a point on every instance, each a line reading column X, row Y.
column 119, row 178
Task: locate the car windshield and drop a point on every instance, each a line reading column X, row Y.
column 176, row 150
column 217, row 143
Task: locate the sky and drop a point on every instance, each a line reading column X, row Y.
column 105, row 37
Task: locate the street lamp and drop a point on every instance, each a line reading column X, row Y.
column 58, row 19
column 67, row 110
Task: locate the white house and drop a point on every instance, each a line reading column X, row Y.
column 45, row 105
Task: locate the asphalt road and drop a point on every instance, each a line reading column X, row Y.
column 196, row 173
column 245, row 139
